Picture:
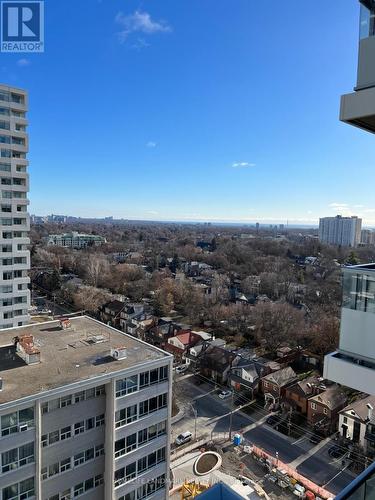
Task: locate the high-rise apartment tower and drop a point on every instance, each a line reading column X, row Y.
column 14, row 220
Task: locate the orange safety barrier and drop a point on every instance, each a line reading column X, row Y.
column 309, row 485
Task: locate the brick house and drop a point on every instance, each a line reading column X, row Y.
column 323, row 409
column 274, row 385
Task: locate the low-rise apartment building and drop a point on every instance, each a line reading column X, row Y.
column 84, row 412
column 75, row 240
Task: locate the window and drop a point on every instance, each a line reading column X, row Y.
column 130, row 471
column 90, row 423
column 65, row 465
column 98, row 480
column 65, row 401
column 90, row 393
column 44, row 473
column 99, row 450
column 20, row 491
column 66, row 495
column 142, row 464
column 79, row 396
column 313, row 406
column 66, row 433
column 79, row 459
column 53, row 437
column 79, row 489
column 89, row 454
column 79, row 427
column 126, row 415
column 99, row 420
column 126, row 386
column 89, row 484
column 154, row 376
column 53, row 469
column 44, row 440
column 345, row 420
column 9, row 460
column 100, row 391
column 144, row 379
column 128, row 496
column 12, row 422
column 325, row 411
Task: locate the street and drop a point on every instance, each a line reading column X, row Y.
column 213, row 417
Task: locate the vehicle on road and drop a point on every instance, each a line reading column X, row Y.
column 183, row 438
column 273, row 420
column 225, row 394
column 181, row 368
column 337, row 451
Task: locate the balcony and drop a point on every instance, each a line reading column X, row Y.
column 362, row 488
column 349, row 371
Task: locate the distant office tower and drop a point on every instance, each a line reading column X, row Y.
column 84, row 412
column 340, row 231
column 367, row 237
column 14, row 222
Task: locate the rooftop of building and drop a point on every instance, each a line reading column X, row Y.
column 80, row 352
column 365, row 267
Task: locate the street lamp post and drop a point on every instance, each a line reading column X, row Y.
column 195, row 419
column 231, row 415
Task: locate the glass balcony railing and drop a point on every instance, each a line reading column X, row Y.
column 367, row 19
column 362, row 488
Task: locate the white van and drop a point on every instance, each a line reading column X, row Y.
column 183, row 438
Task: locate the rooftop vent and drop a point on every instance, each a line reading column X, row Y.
column 119, row 353
column 65, row 323
column 26, row 349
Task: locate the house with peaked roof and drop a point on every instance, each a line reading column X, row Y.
column 274, row 385
column 181, row 342
column 354, row 422
column 245, row 375
column 298, row 394
column 323, row 409
column 110, row 312
column 215, row 363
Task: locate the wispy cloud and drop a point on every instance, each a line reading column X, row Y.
column 242, row 164
column 152, row 212
column 140, row 22
column 140, row 44
column 151, row 144
column 23, row 62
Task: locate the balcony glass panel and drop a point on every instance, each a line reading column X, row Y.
column 367, row 19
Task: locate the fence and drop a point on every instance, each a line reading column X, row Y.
column 309, row 485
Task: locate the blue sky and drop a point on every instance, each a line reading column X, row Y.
column 195, row 110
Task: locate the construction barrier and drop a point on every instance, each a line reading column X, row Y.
column 309, row 485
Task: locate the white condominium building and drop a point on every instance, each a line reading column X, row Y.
column 14, row 220
column 340, row 231
column 84, row 412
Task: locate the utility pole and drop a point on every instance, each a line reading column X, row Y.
column 195, row 411
column 231, row 415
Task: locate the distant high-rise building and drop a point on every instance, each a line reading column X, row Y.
column 340, row 231
column 367, row 237
column 14, row 222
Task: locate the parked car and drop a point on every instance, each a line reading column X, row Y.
column 225, row 394
column 181, row 368
column 183, row 438
column 337, row 451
